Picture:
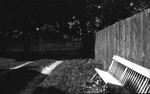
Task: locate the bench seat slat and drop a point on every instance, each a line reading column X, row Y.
column 107, row 77
column 148, row 89
column 142, row 70
column 140, row 86
column 144, row 85
column 134, row 80
column 127, row 74
column 121, row 78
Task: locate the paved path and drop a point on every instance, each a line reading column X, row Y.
column 19, row 66
column 24, row 80
column 48, row 69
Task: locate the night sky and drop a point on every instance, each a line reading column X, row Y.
column 16, row 11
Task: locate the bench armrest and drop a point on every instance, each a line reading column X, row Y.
column 107, row 77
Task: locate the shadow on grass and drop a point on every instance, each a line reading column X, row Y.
column 13, row 81
column 50, row 90
column 118, row 89
column 31, row 56
column 3, row 71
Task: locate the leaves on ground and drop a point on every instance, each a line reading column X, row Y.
column 71, row 76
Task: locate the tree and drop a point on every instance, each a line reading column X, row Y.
column 135, row 6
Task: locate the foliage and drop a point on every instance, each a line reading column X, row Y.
column 109, row 11
column 136, row 6
column 64, row 19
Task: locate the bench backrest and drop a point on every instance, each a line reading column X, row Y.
column 134, row 77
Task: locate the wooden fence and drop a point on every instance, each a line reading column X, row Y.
column 129, row 38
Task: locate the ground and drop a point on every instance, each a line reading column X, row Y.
column 71, row 76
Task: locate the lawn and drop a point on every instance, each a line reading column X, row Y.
column 71, row 76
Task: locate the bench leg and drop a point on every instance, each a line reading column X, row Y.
column 93, row 77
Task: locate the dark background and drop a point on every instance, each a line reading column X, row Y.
column 29, row 25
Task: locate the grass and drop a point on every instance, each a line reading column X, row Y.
column 72, row 75
column 22, row 80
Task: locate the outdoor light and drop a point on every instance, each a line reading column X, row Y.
column 131, row 4
column 37, row 29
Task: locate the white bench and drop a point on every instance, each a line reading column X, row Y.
column 124, row 73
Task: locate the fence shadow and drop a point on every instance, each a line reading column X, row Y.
column 49, row 90
column 14, row 81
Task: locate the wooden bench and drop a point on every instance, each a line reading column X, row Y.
column 122, row 72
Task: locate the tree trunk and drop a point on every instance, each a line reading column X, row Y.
column 88, row 39
column 26, row 41
column 85, row 37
